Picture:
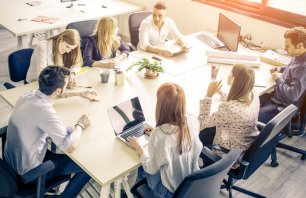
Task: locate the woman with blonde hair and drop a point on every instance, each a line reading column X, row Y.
column 234, row 124
column 104, row 48
column 174, row 147
column 62, row 50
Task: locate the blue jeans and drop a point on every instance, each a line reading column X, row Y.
column 268, row 109
column 64, row 166
column 155, row 183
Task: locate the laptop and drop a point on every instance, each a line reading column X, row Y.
column 227, row 35
column 127, row 119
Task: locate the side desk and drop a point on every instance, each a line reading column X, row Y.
column 16, row 15
column 106, row 159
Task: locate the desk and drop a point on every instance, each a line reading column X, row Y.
column 100, row 154
column 13, row 10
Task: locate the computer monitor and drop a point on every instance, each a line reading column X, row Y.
column 228, row 32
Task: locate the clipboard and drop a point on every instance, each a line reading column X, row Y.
column 181, row 51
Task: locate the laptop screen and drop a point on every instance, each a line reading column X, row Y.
column 126, row 115
column 228, row 32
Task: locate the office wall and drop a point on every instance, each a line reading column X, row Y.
column 192, row 16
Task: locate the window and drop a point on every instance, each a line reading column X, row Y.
column 287, row 13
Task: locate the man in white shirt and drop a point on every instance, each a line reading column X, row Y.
column 34, row 119
column 156, row 29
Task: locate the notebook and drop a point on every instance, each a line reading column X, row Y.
column 127, row 119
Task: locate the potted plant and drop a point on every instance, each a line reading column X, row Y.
column 152, row 69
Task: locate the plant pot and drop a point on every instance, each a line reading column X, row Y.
column 150, row 74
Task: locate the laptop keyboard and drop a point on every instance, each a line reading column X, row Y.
column 209, row 41
column 136, row 131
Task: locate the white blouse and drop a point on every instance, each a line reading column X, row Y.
column 163, row 154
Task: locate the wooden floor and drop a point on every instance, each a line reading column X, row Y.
column 288, row 180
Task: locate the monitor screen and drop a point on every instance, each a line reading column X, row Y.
column 228, row 32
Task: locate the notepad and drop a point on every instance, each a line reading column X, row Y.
column 45, row 19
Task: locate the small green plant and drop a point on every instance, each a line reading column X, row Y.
column 145, row 64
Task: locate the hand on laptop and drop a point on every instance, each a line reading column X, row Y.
column 134, row 143
column 148, row 130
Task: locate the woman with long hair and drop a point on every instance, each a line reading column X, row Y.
column 62, row 50
column 104, row 48
column 234, row 124
column 174, row 147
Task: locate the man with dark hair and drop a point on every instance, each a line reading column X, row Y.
column 290, row 81
column 26, row 145
column 156, row 29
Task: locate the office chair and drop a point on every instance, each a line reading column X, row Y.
column 85, row 29
column 14, row 185
column 202, row 183
column 257, row 153
column 18, row 65
column 135, row 20
column 296, row 127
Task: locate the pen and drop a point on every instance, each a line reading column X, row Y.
column 260, row 86
column 156, row 58
column 82, row 11
column 83, row 86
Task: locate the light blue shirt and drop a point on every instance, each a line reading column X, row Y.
column 33, row 120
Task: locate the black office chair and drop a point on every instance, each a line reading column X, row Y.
column 14, row 185
column 203, row 183
column 257, row 153
column 135, row 20
column 18, row 65
column 296, row 127
column 85, row 28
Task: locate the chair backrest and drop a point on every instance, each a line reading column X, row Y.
column 19, row 63
column 135, row 20
column 265, row 142
column 8, row 177
column 207, row 181
column 85, row 28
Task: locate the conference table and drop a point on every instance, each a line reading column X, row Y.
column 104, row 157
column 16, row 15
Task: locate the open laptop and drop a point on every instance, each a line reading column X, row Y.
column 127, row 119
column 227, row 35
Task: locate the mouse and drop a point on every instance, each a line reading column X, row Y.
column 104, row 6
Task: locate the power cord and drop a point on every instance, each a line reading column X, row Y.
column 246, row 41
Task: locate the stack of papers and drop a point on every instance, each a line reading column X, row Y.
column 232, row 58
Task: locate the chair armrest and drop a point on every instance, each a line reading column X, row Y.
column 210, row 154
column 37, row 172
column 260, row 125
column 3, row 131
column 131, row 46
column 219, row 148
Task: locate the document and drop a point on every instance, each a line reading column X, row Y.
column 45, row 19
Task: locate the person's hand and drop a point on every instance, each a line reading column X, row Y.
column 84, row 121
column 148, row 130
column 90, row 94
column 111, row 63
column 71, row 81
column 275, row 75
column 134, row 143
column 184, row 48
column 165, row 53
column 213, row 88
column 274, row 70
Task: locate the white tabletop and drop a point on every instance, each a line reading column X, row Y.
column 99, row 153
column 11, row 11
